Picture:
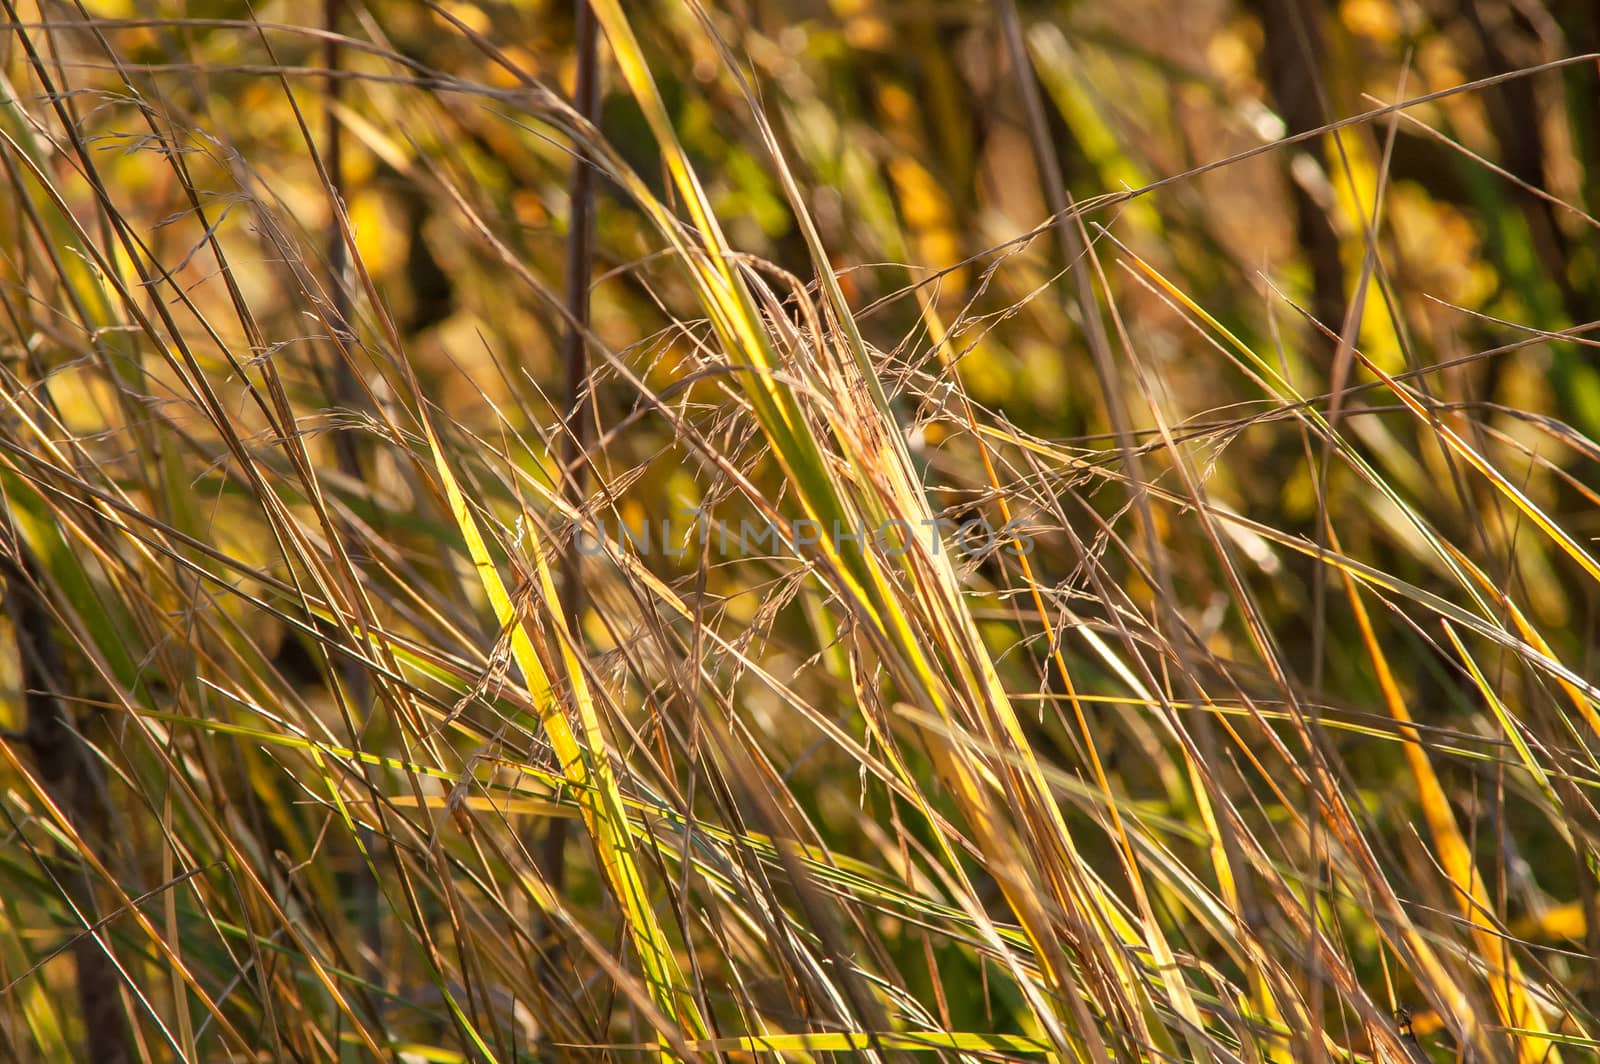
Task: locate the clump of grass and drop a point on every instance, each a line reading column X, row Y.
column 1114, row 657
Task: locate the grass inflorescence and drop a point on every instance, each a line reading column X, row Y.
column 1160, row 443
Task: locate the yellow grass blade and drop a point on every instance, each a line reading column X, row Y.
column 586, row 765
column 1506, row 981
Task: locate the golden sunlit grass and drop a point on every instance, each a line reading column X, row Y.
column 1157, row 619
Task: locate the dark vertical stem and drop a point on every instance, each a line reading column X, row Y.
column 1291, row 55
column 1292, row 59
column 344, row 385
column 76, row 781
column 579, row 423
column 356, row 683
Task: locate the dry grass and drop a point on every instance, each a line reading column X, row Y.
column 379, row 693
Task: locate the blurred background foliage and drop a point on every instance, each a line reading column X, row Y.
column 1451, row 242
